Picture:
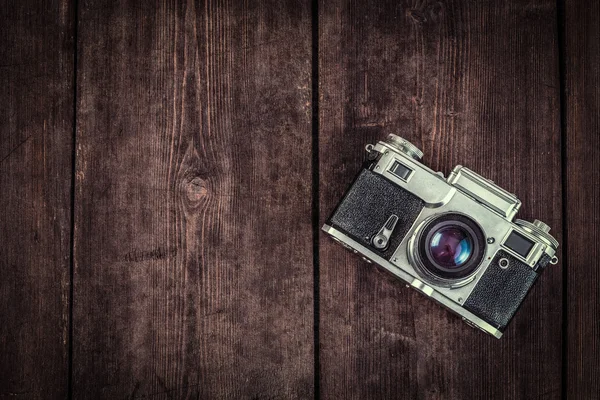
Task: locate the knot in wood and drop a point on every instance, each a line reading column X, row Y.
column 196, row 189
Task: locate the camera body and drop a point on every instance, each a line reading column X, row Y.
column 452, row 239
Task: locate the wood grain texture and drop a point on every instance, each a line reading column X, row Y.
column 582, row 171
column 471, row 83
column 36, row 131
column 193, row 239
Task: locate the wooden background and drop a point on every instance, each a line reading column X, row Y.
column 165, row 167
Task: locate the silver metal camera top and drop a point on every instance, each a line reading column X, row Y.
column 541, row 226
column 485, row 192
column 405, row 146
column 482, row 190
column 437, row 192
column 539, row 230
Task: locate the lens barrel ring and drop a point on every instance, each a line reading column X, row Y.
column 451, row 220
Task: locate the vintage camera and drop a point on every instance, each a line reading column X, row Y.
column 452, row 239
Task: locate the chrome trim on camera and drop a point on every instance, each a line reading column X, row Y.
column 536, row 251
column 485, row 192
column 412, row 254
column 405, row 146
column 380, row 241
column 539, row 230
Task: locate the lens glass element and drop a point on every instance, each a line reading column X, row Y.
column 451, row 246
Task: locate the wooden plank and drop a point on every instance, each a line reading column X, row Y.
column 470, row 83
column 36, row 131
column 582, row 177
column 193, row 238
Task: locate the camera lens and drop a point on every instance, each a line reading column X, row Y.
column 451, row 246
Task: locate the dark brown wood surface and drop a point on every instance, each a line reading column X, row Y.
column 469, row 83
column 205, row 162
column 193, row 238
column 36, row 132
column 582, row 214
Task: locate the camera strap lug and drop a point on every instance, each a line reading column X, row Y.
column 372, row 153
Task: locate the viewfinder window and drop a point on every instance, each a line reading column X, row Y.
column 519, row 244
column 401, row 170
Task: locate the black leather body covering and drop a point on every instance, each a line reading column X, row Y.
column 500, row 292
column 368, row 204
